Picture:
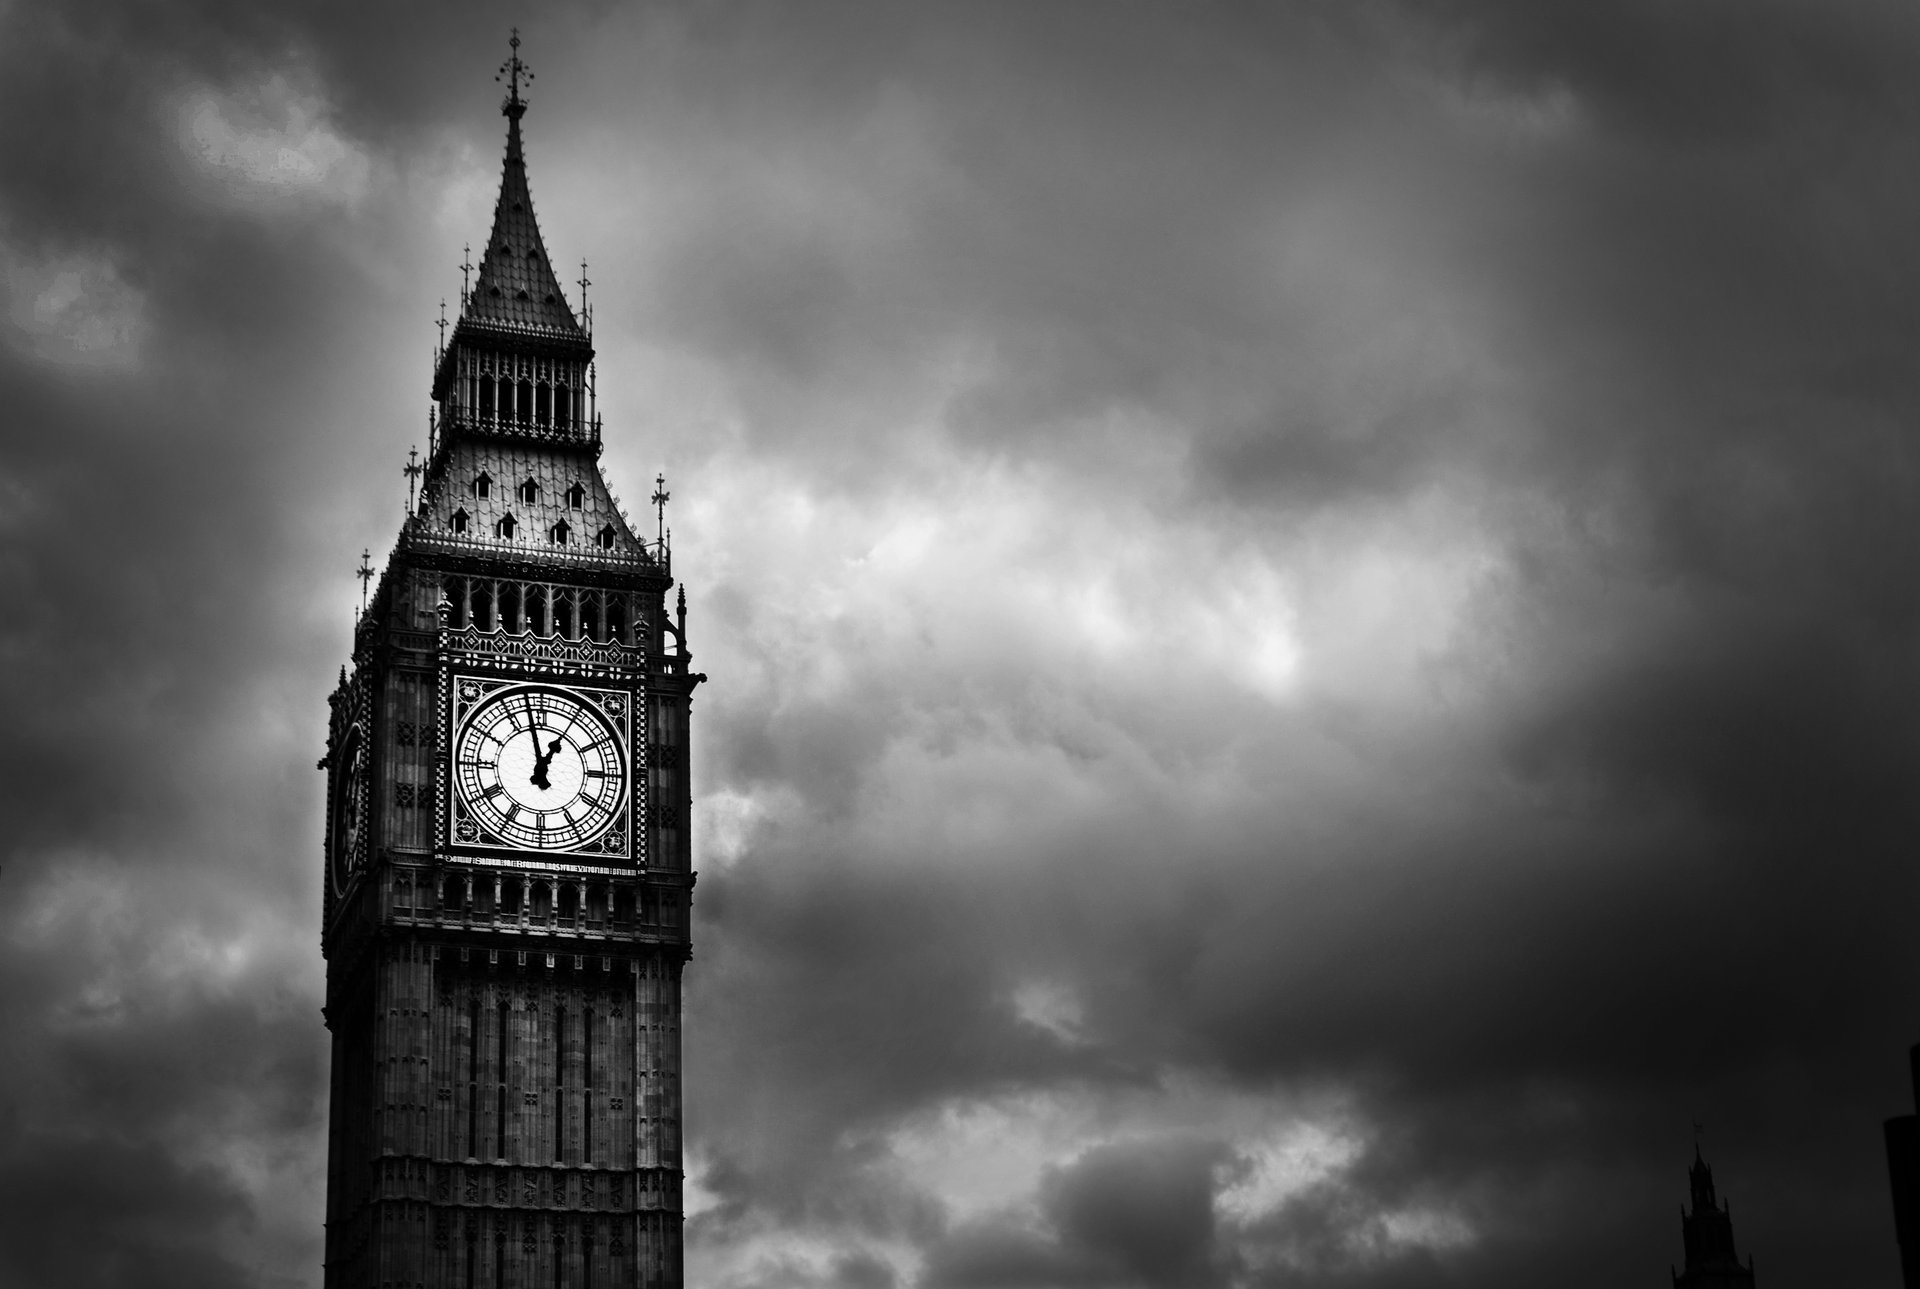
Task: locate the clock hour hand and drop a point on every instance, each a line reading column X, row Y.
column 541, row 760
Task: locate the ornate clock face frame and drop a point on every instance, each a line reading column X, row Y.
column 349, row 809
column 537, row 766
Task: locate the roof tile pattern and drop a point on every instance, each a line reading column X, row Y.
column 516, row 283
column 508, row 466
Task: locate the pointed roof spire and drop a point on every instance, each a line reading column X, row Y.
column 516, row 284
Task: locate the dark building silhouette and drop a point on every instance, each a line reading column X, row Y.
column 1903, row 1172
column 507, row 882
column 1707, row 1233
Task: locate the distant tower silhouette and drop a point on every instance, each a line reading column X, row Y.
column 1708, row 1234
column 1903, row 1169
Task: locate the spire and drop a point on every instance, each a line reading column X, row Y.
column 1706, row 1231
column 516, row 285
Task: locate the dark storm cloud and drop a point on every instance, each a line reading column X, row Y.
column 1310, row 606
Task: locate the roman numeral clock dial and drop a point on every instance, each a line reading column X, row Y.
column 540, row 768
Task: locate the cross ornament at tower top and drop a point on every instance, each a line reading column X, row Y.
column 660, row 498
column 513, row 71
column 365, row 574
column 412, row 470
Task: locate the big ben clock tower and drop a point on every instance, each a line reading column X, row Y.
column 507, row 859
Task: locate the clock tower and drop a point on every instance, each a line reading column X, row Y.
column 507, row 881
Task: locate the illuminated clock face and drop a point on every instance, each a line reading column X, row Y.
column 539, row 768
column 349, row 809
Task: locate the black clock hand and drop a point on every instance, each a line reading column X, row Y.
column 541, row 761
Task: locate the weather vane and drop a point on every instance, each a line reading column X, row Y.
column 660, row 498
column 365, row 574
column 412, row 470
column 513, row 71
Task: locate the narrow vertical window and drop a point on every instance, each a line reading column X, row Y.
column 473, row 1091
column 559, row 1084
column 576, row 497
column 500, row 1096
column 563, row 614
column 510, row 607
column 459, row 521
column 586, row 1087
column 523, row 402
column 590, row 616
column 563, row 405
column 543, row 408
column 537, row 610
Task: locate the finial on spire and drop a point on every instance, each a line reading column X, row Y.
column 660, row 498
column 443, row 323
column 466, row 268
column 365, row 574
column 585, row 316
column 513, row 71
column 413, row 467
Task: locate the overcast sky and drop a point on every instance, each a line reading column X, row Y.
column 1311, row 609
